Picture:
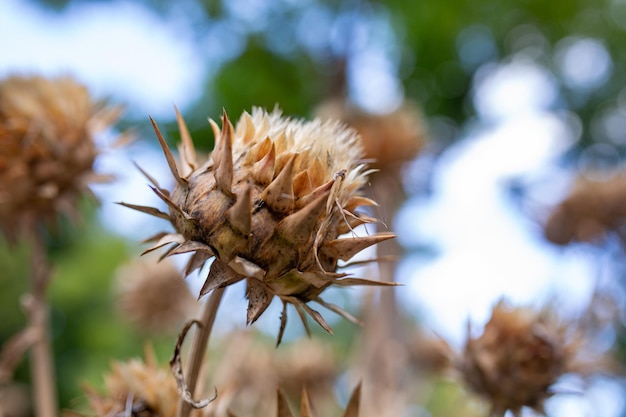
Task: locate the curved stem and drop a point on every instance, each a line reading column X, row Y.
column 200, row 342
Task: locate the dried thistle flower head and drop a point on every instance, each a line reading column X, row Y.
column 269, row 205
column 136, row 388
column 307, row 363
column 519, row 356
column 46, row 148
column 306, row 408
column 430, row 353
column 250, row 368
column 592, row 209
column 388, row 139
column 154, row 296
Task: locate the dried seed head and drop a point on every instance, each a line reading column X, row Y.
column 519, row 356
column 430, row 353
column 154, row 296
column 250, row 369
column 137, row 388
column 307, row 363
column 592, row 209
column 269, row 204
column 47, row 149
column 307, row 409
column 388, row 139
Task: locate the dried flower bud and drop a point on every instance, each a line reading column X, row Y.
column 307, row 363
column 306, row 408
column 136, row 388
column 519, row 356
column 592, row 209
column 46, row 148
column 269, row 205
column 154, row 296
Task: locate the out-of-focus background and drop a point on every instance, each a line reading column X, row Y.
column 518, row 99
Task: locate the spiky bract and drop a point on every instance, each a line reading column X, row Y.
column 269, row 204
column 46, row 148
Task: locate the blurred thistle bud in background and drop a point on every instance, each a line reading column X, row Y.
column 47, row 151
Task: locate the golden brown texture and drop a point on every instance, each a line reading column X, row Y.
column 519, row 356
column 46, row 148
column 154, row 296
column 270, row 205
column 589, row 212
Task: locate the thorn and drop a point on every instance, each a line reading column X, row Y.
column 258, row 151
column 240, row 215
column 351, row 221
column 151, row 179
column 148, row 210
column 340, row 311
column 313, row 313
column 196, row 261
column 258, row 299
column 249, row 131
column 220, row 275
column 216, row 136
column 188, row 154
column 282, row 408
column 224, row 162
column 299, row 226
column 345, row 249
column 305, row 404
column 263, row 170
column 279, row 194
column 171, row 162
column 283, row 324
column 165, row 240
column 358, row 201
column 313, row 195
column 171, row 204
column 193, row 246
column 301, row 184
column 354, row 404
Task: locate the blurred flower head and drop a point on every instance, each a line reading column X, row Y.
column 593, row 209
column 47, row 148
column 269, row 205
column 519, row 356
column 154, row 296
column 251, row 368
column 138, row 388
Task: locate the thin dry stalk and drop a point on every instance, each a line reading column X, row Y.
column 42, row 367
column 200, row 342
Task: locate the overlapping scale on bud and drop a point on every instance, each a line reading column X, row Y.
column 521, row 353
column 270, row 204
column 47, row 149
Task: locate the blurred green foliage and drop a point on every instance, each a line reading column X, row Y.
column 87, row 331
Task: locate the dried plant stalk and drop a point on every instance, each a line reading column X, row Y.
column 199, row 346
